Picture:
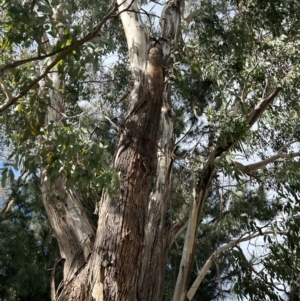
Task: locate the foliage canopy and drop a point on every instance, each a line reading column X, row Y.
column 235, row 90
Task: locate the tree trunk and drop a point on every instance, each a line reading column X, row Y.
column 128, row 258
column 67, row 215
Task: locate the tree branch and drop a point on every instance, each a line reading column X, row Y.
column 258, row 274
column 215, row 254
column 201, row 190
column 32, row 59
column 261, row 107
column 179, row 227
column 6, row 91
column 286, row 145
column 61, row 56
column 262, row 164
column 191, row 16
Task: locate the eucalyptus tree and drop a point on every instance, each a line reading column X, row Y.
column 193, row 129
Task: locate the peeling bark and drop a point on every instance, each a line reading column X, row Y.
column 67, row 215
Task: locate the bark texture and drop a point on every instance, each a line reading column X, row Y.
column 128, row 259
column 67, row 215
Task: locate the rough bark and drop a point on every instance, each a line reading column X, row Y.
column 133, row 237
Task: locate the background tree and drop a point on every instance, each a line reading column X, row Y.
column 203, row 101
column 28, row 247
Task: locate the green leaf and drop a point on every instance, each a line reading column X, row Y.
column 11, row 176
column 4, row 177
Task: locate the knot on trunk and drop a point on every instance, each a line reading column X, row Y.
column 155, row 71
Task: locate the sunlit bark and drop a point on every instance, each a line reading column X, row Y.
column 67, row 215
